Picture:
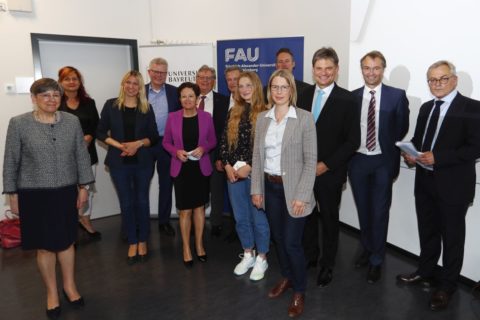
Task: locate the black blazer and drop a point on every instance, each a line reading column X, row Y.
column 393, row 122
column 111, row 125
column 455, row 150
column 338, row 129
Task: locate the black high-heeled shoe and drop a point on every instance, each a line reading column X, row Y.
column 91, row 235
column 75, row 303
column 54, row 313
column 202, row 258
column 132, row 260
column 188, row 264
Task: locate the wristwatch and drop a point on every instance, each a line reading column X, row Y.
column 84, row 186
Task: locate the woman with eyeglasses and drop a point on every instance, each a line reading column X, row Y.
column 283, row 174
column 45, row 172
column 189, row 138
column 236, row 153
column 76, row 101
column 127, row 125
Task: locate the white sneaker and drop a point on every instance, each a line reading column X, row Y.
column 247, row 262
column 259, row 269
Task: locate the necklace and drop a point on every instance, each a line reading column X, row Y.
column 45, row 120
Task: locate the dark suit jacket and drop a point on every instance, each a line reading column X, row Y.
column 172, row 97
column 111, row 125
column 393, row 121
column 455, row 150
column 220, row 111
column 338, row 129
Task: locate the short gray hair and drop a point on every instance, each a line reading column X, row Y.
column 446, row 63
column 158, row 60
column 232, row 68
column 207, row 68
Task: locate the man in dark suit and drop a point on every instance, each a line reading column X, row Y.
column 164, row 99
column 217, row 105
column 384, row 117
column 448, row 136
column 338, row 137
column 284, row 59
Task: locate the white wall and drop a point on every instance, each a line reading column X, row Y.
column 411, row 34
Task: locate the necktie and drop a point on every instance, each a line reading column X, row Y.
column 432, row 126
column 317, row 106
column 371, row 137
column 201, row 105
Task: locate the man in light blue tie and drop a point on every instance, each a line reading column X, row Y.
column 337, row 121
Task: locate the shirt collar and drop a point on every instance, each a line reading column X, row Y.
column 449, row 97
column 150, row 88
column 291, row 113
column 326, row 90
column 377, row 89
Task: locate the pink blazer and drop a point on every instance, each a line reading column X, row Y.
column 173, row 140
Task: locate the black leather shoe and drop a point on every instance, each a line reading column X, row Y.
column 415, row 278
column 374, row 273
column 216, row 231
column 188, row 264
column 54, row 313
column 324, row 277
column 362, row 260
column 202, row 258
column 439, row 300
column 166, row 229
column 143, row 257
column 92, row 236
column 75, row 303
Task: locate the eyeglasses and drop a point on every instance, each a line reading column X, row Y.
column 442, row 80
column 279, row 88
column 246, row 86
column 205, row 78
column 48, row 96
column 158, row 73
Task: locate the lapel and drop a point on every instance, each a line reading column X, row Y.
column 289, row 131
column 328, row 104
column 265, row 122
column 117, row 119
column 448, row 116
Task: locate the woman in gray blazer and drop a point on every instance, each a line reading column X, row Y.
column 283, row 174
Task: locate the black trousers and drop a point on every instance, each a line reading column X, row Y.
column 440, row 225
column 328, row 194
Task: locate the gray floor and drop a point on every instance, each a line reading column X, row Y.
column 163, row 288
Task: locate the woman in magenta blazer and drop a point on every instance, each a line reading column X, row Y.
column 189, row 137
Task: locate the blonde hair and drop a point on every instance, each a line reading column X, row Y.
column 142, row 102
column 238, row 109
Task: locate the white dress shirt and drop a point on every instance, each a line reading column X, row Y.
column 273, row 141
column 367, row 96
column 208, row 102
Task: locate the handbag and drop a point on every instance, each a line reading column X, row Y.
column 10, row 231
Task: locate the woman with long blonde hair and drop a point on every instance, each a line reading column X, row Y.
column 127, row 125
column 236, row 153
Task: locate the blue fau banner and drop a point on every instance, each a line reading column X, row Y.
column 256, row 55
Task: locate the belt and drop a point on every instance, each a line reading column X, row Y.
column 274, row 179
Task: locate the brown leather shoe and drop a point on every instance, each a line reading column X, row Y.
column 280, row 288
column 296, row 306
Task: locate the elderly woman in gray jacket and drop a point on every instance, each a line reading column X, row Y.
column 46, row 173
column 283, row 174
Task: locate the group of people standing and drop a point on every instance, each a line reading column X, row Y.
column 282, row 152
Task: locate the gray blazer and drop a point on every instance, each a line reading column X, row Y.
column 298, row 160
